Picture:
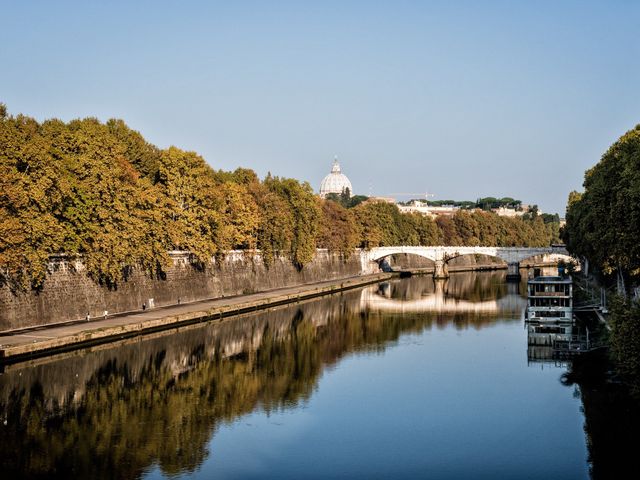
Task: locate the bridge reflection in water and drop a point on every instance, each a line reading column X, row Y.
column 441, row 296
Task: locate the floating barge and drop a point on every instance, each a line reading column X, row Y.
column 550, row 299
column 552, row 333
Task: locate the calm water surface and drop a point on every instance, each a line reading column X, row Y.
column 406, row 379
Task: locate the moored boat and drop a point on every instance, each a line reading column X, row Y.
column 550, row 299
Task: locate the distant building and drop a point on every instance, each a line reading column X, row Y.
column 415, row 207
column 431, row 211
column 512, row 212
column 509, row 212
column 446, row 210
column 335, row 182
column 380, row 200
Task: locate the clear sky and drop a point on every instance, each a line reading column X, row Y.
column 465, row 99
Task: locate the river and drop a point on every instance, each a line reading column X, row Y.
column 405, row 379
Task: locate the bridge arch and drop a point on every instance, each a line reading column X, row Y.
column 379, row 253
column 406, row 261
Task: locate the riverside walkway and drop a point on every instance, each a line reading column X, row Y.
column 39, row 341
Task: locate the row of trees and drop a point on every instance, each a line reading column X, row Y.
column 603, row 226
column 101, row 190
column 484, row 203
column 383, row 224
column 603, row 222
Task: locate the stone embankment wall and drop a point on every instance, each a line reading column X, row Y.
column 69, row 293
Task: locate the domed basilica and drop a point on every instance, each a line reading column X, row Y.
column 335, row 182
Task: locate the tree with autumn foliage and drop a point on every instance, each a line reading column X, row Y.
column 337, row 229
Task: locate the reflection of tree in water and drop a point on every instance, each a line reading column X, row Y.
column 117, row 412
column 612, row 416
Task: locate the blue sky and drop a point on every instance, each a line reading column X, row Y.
column 465, row 99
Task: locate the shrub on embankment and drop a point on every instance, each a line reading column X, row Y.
column 625, row 341
column 102, row 191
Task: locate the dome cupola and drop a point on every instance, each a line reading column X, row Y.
column 335, row 182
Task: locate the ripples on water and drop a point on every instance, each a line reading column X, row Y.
column 403, row 379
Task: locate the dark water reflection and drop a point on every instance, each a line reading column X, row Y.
column 403, row 379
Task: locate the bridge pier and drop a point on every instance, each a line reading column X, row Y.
column 441, row 270
column 513, row 272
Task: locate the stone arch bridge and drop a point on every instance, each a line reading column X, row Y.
column 370, row 259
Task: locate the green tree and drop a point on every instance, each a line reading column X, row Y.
column 337, row 230
column 146, row 158
column 305, row 213
column 603, row 224
column 193, row 216
column 31, row 190
column 239, row 221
